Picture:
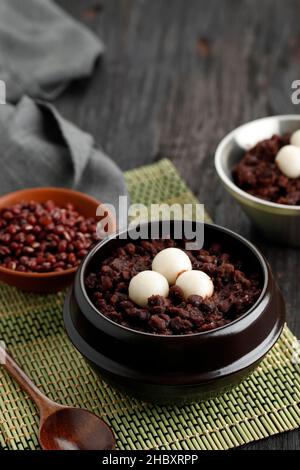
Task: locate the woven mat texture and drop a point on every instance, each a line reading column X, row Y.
column 31, row 325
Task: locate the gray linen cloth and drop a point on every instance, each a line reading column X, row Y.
column 42, row 49
column 38, row 147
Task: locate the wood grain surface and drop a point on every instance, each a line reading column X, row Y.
column 176, row 77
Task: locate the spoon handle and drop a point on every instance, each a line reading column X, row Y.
column 44, row 404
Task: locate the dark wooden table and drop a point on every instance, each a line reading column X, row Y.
column 176, row 77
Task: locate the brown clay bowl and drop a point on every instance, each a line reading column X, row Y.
column 47, row 282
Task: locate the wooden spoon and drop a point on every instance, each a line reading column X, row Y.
column 62, row 427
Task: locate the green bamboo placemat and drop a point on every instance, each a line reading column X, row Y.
column 265, row 404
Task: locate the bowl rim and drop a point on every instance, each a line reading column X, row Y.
column 219, row 166
column 93, row 318
column 53, row 189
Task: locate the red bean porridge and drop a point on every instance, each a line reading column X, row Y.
column 235, row 290
column 257, row 173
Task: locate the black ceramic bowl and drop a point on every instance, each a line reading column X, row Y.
column 176, row 369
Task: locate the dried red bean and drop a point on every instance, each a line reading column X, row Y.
column 8, row 215
column 4, row 251
column 78, row 245
column 59, row 264
column 14, row 246
column 62, row 256
column 13, row 229
column 82, row 253
column 70, row 248
column 62, row 246
column 20, row 237
column 43, row 246
column 67, row 236
column 37, row 229
column 50, row 227
column 51, row 258
column 50, row 205
column 28, row 250
column 16, row 210
column 45, row 220
column 30, row 239
column 31, row 219
column 32, row 264
column 72, row 258
column 11, row 265
column 37, row 237
column 59, row 229
column 5, row 238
